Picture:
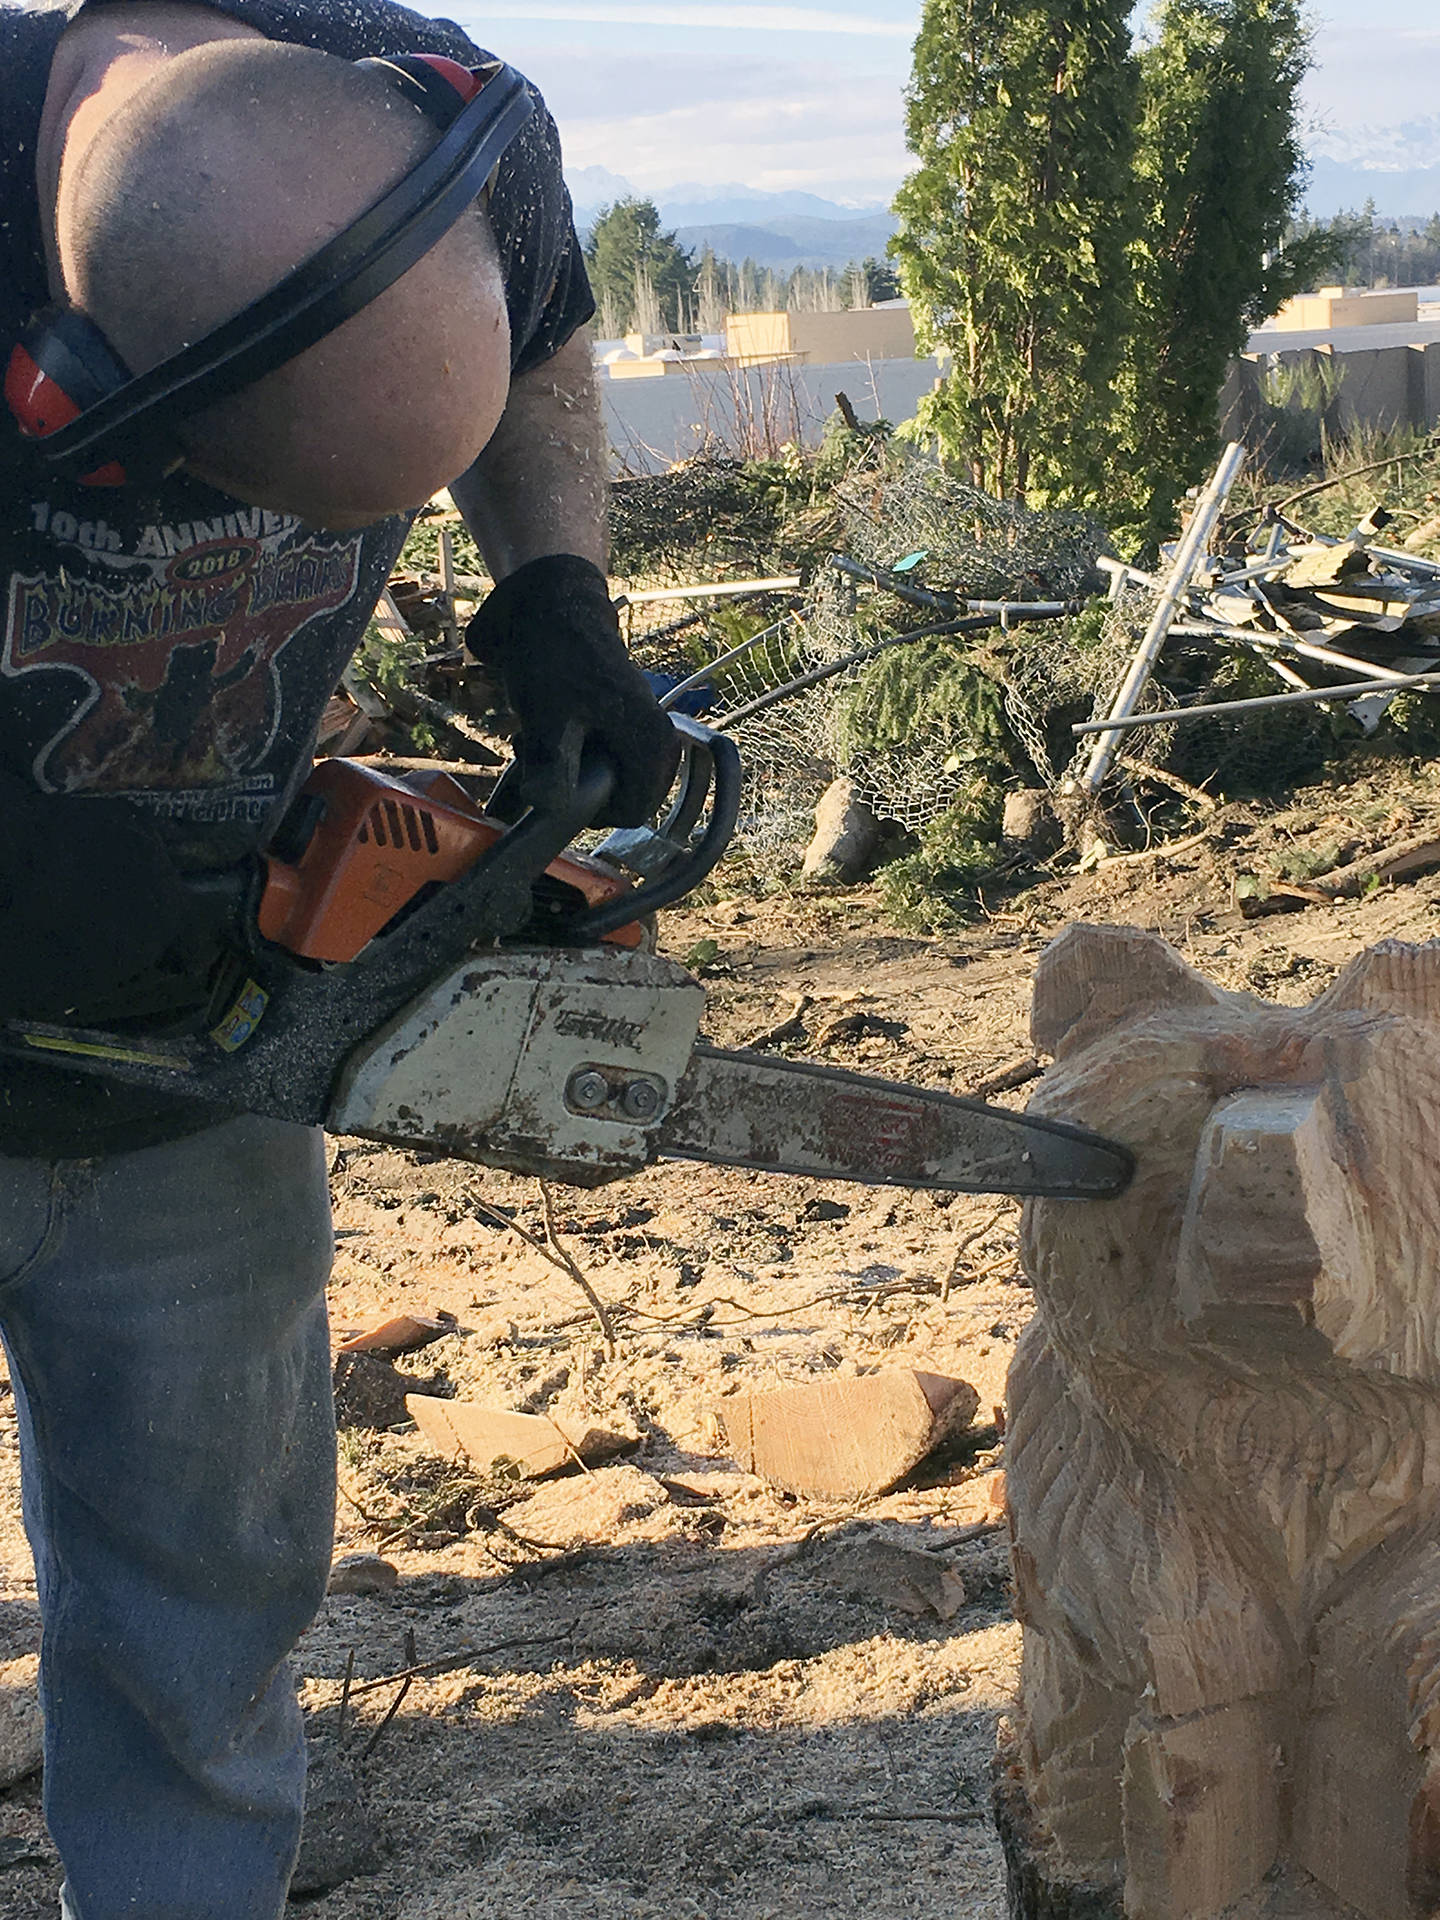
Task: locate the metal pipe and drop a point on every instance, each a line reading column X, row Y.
column 1192, row 546
column 718, row 590
column 1288, row 643
column 1169, row 715
column 672, row 694
column 1120, row 572
column 944, row 602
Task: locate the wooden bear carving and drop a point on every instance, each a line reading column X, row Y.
column 1224, row 1450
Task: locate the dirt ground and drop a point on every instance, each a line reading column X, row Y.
column 671, row 1690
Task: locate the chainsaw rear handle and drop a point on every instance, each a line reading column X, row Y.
column 711, row 768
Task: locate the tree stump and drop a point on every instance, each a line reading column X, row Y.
column 1223, row 1452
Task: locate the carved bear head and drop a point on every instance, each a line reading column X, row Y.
column 1288, row 1159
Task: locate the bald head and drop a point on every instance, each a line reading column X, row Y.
column 230, row 166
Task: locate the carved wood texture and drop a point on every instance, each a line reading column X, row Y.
column 1224, row 1447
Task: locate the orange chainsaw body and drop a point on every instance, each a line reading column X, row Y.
column 378, row 842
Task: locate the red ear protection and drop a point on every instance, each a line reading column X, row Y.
column 62, row 365
column 67, row 389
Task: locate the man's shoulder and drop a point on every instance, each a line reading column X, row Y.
column 352, row 29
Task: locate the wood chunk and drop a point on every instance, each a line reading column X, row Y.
column 1405, row 861
column 843, row 1439
column 524, row 1445
column 1322, row 565
column 403, row 1333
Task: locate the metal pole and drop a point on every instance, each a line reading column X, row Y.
column 1169, row 715
column 1192, row 547
column 672, row 694
column 715, row 590
column 1287, row 643
column 447, row 585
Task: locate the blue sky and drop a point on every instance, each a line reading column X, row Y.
column 775, row 97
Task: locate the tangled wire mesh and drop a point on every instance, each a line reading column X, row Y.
column 818, row 696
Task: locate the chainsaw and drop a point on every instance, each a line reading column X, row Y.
column 416, row 971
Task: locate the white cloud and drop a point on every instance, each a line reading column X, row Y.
column 771, row 143
column 710, row 15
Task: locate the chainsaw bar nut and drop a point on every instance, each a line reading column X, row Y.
column 642, row 1100
column 588, row 1089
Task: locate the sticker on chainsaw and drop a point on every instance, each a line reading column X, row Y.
column 242, row 1019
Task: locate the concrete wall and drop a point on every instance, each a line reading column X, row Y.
column 757, row 409
column 652, row 423
column 1377, row 387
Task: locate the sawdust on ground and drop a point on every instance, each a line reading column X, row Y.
column 673, row 1690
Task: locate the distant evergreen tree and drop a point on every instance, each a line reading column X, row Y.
column 1013, row 233
column 881, row 280
column 628, row 257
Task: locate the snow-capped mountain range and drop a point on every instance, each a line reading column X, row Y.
column 1398, row 167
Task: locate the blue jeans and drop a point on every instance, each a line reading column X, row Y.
column 164, row 1316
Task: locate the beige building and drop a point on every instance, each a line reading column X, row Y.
column 1334, row 307
column 862, row 333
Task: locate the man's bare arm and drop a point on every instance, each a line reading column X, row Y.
column 539, row 487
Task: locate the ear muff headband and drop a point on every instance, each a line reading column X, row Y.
column 134, row 422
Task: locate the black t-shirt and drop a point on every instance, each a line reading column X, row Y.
column 169, row 644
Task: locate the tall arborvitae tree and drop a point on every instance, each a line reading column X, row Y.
column 630, row 259
column 1221, row 174
column 1013, row 233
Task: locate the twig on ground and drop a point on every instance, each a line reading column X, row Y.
column 455, row 1662
column 968, row 1240
column 963, row 1536
column 445, row 1501
column 568, row 1264
column 390, row 1713
column 370, row 1519
column 1018, row 1074
column 345, row 1696
column 1197, row 796
column 837, row 1810
column 792, row 1551
column 1151, row 853
column 558, row 1257
column 569, row 1446
column 791, row 1027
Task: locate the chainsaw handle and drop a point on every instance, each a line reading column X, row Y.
column 712, row 767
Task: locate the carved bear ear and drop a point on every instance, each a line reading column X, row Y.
column 1393, row 977
column 1092, row 978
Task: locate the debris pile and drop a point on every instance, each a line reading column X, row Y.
column 1332, row 620
column 946, row 662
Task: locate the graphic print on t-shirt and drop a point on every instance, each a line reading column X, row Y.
column 170, row 650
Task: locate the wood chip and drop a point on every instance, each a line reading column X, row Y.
column 526, row 1445
column 844, row 1439
column 404, row 1333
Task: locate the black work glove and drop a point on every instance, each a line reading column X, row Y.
column 90, row 901
column 550, row 636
